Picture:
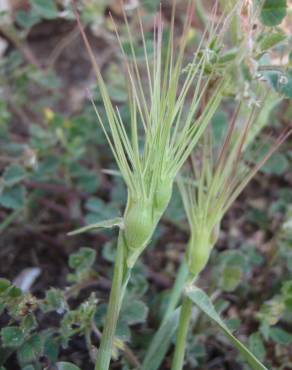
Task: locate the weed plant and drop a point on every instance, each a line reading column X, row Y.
column 172, row 98
column 168, row 135
column 164, row 131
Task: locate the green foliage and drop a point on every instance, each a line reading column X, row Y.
column 232, row 267
column 256, row 346
column 13, row 197
column 13, row 175
column 45, row 8
column 31, row 350
column 280, row 336
column 54, row 301
column 12, row 336
column 273, row 12
column 161, row 340
column 82, row 260
column 281, row 81
column 204, row 303
column 57, row 173
column 24, row 335
column 270, row 39
column 286, row 291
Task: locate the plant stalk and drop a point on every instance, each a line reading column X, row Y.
column 177, row 290
column 184, row 321
column 119, row 282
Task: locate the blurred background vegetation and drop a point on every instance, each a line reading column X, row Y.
column 53, row 157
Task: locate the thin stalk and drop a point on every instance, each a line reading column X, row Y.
column 201, row 13
column 176, row 290
column 172, row 304
column 116, row 295
column 184, row 322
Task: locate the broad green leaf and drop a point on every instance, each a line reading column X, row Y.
column 107, row 224
column 26, row 19
column 66, row 366
column 256, row 346
column 200, row 298
column 12, row 336
column 273, row 12
column 123, row 332
column 13, row 174
column 4, row 284
column 286, row 291
column 133, row 312
column 278, row 164
column 271, row 311
column 88, row 182
column 280, row 336
column 30, row 350
column 54, row 300
column 14, row 292
column 285, row 83
column 160, row 342
column 230, row 278
column 280, row 81
column 28, row 323
column 13, row 198
column 45, row 8
column 233, row 258
column 83, row 259
column 108, row 251
column 51, row 347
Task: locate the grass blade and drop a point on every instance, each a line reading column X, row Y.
column 106, row 224
column 160, row 342
column 200, row 299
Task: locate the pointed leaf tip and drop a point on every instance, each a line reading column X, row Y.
column 200, row 299
column 106, row 224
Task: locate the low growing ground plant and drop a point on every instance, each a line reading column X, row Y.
column 175, row 92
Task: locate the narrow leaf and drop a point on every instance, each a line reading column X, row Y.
column 201, row 299
column 160, row 342
column 107, row 224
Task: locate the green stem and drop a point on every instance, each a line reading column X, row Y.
column 116, row 295
column 176, row 291
column 180, row 346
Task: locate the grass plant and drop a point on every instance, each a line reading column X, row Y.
column 218, row 176
column 169, row 114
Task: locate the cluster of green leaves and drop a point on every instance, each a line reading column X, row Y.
column 22, row 334
column 62, row 150
column 26, row 334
